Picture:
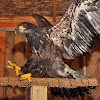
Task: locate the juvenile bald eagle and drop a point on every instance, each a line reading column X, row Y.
column 71, row 37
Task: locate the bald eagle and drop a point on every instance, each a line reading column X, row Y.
column 71, row 37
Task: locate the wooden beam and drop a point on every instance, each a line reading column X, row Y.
column 2, row 59
column 14, row 25
column 48, row 82
column 54, row 10
column 2, row 34
column 15, row 51
column 84, row 71
column 12, row 22
column 39, row 93
column 84, row 65
column 25, row 18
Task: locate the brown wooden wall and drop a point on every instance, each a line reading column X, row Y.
column 17, row 50
column 93, row 68
column 12, row 8
column 2, row 59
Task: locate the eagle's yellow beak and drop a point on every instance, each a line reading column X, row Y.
column 21, row 28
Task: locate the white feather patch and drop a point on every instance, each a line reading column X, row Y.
column 89, row 17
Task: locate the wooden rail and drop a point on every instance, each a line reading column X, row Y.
column 12, row 22
column 2, row 58
column 48, row 82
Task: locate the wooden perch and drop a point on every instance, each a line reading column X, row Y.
column 49, row 82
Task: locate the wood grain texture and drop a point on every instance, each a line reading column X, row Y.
column 17, row 8
column 48, row 82
column 15, row 51
column 93, row 68
column 84, row 71
column 54, row 10
column 39, row 93
column 12, row 22
column 2, row 60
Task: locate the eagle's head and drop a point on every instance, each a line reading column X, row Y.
column 25, row 27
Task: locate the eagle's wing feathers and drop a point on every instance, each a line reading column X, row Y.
column 42, row 22
column 78, row 28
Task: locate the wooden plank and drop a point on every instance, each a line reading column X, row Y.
column 8, row 55
column 84, row 71
column 12, row 22
column 11, row 25
column 14, row 25
column 25, row 18
column 9, row 52
column 2, row 60
column 84, row 65
column 15, row 51
column 53, row 82
column 93, row 68
column 3, row 34
column 39, row 93
column 54, row 10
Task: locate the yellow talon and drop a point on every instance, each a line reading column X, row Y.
column 17, row 68
column 26, row 76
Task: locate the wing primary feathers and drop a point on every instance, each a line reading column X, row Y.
column 88, row 24
column 60, row 92
column 66, row 92
column 42, row 22
column 81, row 92
column 86, row 90
column 82, row 18
column 54, row 91
column 72, row 93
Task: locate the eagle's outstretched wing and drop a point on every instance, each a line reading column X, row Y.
column 42, row 22
column 76, row 31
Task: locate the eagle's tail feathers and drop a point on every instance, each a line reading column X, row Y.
column 69, row 73
column 76, row 75
column 70, row 92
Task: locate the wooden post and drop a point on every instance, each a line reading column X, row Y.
column 2, row 59
column 84, row 64
column 84, row 69
column 38, row 93
column 54, row 10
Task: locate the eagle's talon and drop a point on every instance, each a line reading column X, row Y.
column 26, row 76
column 29, row 85
column 18, row 77
column 13, row 65
column 76, row 75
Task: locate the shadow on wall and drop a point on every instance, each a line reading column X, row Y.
column 90, row 98
column 22, row 47
column 14, row 98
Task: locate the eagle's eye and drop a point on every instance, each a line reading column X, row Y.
column 24, row 25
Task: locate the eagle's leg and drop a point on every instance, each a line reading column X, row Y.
column 69, row 73
column 74, row 74
column 17, row 68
